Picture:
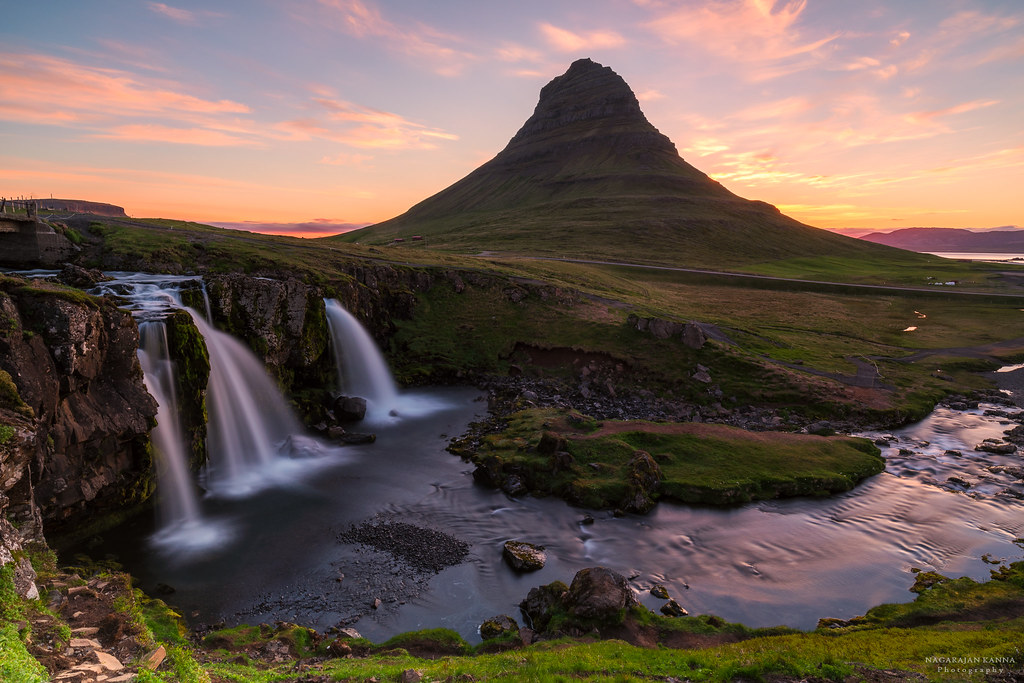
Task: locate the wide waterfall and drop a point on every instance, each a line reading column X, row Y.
column 250, row 423
column 362, row 370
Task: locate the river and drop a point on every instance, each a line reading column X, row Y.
column 773, row 562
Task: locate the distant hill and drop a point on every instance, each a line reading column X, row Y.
column 81, row 206
column 951, row 239
column 588, row 176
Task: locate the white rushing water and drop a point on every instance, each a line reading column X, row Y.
column 362, row 370
column 179, row 501
column 250, row 421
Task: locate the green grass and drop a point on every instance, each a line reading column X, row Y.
column 787, row 336
column 699, row 463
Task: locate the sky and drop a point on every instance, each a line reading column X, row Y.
column 309, row 116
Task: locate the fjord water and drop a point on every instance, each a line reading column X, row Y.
column 774, row 562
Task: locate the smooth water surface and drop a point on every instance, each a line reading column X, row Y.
column 774, row 562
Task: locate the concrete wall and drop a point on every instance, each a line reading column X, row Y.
column 26, row 242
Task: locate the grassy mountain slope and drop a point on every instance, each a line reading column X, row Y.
column 588, row 176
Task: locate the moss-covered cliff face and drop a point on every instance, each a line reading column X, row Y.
column 188, row 351
column 284, row 322
column 76, row 410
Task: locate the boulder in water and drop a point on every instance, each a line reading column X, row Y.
column 349, row 408
column 524, row 557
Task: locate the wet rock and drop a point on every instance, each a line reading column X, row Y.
column 524, row 557
column 996, row 447
column 541, row 603
column 83, row 278
column 598, row 593
column 349, row 408
column 498, row 626
column 514, row 486
column 643, row 484
column 659, row 591
column 673, row 609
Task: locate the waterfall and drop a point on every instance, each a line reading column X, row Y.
column 249, row 420
column 362, row 369
column 253, row 438
column 176, row 495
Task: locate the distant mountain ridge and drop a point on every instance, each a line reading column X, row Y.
column 588, row 176
column 1003, row 239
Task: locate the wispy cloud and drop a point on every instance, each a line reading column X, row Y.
column 757, row 33
column 565, row 40
column 363, row 19
column 152, row 132
column 42, row 89
column 182, row 16
column 358, row 126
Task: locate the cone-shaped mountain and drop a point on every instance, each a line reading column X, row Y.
column 587, row 176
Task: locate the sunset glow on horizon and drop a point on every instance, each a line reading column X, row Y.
column 315, row 116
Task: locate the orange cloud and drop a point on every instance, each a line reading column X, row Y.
column 180, row 136
column 568, row 41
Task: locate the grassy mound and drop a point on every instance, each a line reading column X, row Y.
column 596, row 465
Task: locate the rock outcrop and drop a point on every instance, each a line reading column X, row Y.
column 75, row 412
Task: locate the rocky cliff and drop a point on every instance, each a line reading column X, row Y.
column 75, row 414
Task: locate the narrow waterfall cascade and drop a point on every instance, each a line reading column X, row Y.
column 362, row 370
column 176, row 492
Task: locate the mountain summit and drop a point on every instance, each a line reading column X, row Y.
column 588, row 176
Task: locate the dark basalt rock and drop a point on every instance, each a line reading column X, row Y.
column 84, row 411
column 598, row 593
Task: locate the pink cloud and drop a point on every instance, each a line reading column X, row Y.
column 182, row 16
column 564, row 40
column 180, row 136
column 752, row 32
column 363, row 127
column 30, row 83
column 364, row 20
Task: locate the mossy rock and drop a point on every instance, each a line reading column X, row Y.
column 498, row 627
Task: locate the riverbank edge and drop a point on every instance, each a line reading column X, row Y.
column 90, row 624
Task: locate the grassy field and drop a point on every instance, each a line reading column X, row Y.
column 785, row 341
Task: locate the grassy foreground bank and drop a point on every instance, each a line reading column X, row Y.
column 955, row 630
